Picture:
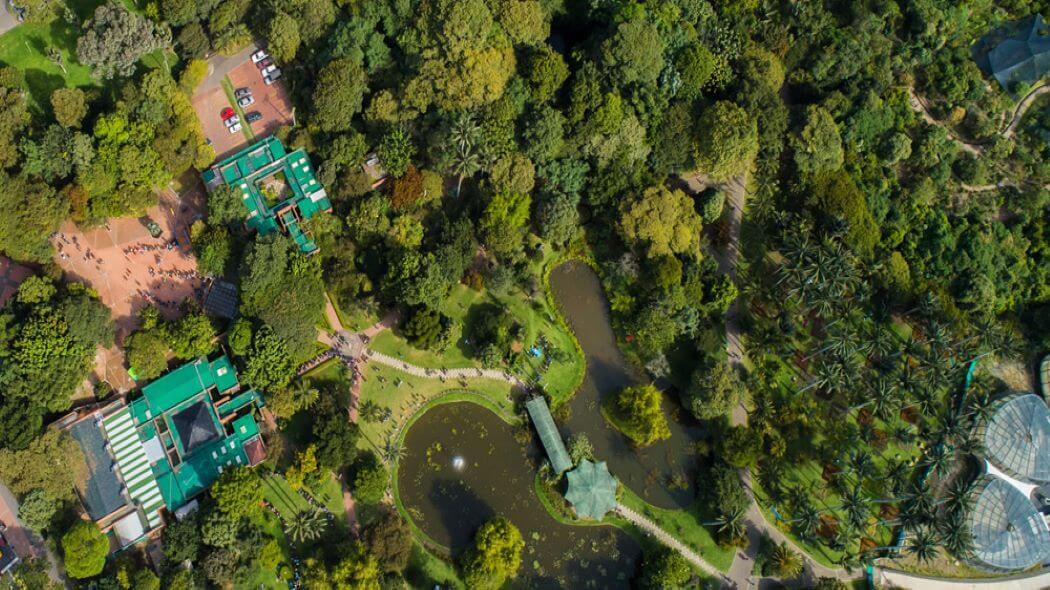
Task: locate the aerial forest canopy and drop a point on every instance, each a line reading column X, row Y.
column 838, row 185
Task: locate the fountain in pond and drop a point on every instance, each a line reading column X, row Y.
column 458, row 463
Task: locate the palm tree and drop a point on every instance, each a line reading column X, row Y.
column 897, row 473
column 922, row 543
column 466, row 158
column 307, row 525
column 938, row 459
column 856, row 505
column 806, row 521
column 956, row 535
column 860, row 465
column 305, row 394
column 731, row 523
column 786, row 563
column 957, row 497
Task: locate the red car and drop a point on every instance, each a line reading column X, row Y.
column 226, row 113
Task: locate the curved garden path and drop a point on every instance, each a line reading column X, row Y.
column 462, row 373
column 1022, row 107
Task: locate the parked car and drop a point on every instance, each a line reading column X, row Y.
column 272, row 77
column 246, row 100
column 226, row 113
column 242, row 92
column 232, row 121
column 260, row 55
column 253, row 116
column 270, row 68
column 264, row 63
column 235, row 128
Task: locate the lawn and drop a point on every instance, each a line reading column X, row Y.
column 26, row 47
column 405, row 395
column 560, row 379
column 686, row 526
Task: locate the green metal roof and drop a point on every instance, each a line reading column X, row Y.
column 267, row 160
column 592, row 490
column 549, row 435
column 176, row 387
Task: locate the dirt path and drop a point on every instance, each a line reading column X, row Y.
column 467, row 373
column 1022, row 108
column 919, row 105
column 25, row 542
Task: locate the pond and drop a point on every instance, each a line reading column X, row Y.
column 663, row 473
column 463, row 465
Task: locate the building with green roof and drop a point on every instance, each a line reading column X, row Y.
column 279, row 189
column 592, row 490
column 166, row 446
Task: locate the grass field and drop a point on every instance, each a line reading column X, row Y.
column 26, row 47
column 405, row 395
column 560, row 379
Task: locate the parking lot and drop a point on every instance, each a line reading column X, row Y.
column 209, row 104
column 270, row 101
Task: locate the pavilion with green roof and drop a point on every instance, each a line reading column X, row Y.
column 279, row 189
column 592, row 490
column 175, row 440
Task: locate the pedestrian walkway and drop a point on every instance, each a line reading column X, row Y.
column 890, row 578
column 463, row 373
column 667, row 540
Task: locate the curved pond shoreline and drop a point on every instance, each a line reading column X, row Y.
column 649, row 472
column 463, row 465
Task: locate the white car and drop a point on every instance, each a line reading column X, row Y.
column 272, row 77
column 246, row 100
column 235, row 128
column 258, row 56
column 232, row 121
column 269, row 70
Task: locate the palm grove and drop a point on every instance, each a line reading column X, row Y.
column 512, row 126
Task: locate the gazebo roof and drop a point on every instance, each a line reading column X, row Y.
column 592, row 490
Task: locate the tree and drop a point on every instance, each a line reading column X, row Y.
column 525, row 21
column 665, row 569
column 20, row 424
column 238, row 492
column 514, row 173
column 503, row 222
column 818, row 146
column 115, row 38
column 225, row 205
column 389, row 539
column 714, row 392
column 696, row 65
column 641, row 412
column 304, row 468
column 182, row 540
column 283, row 36
column 580, row 448
column 84, row 549
column 70, row 106
column 785, row 563
column 836, row 199
column 33, row 211
column 37, row 509
column 662, row 222
column 634, row 53
column 191, row 335
column 395, row 152
column 194, row 41
column 307, row 525
column 558, row 220
column 358, row 570
column 370, row 479
column 545, row 72
column 147, row 353
column 336, row 439
column 495, row 555
column 741, row 446
column 544, row 134
column 219, row 529
column 427, row 329
column 211, row 247
column 727, row 140
column 341, row 84
column 52, row 463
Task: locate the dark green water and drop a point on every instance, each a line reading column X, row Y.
column 496, row 478
column 657, row 472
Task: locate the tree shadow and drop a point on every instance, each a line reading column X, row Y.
column 41, row 85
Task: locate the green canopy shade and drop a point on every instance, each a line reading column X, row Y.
column 592, row 490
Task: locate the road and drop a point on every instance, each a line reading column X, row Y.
column 26, row 543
